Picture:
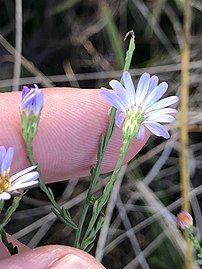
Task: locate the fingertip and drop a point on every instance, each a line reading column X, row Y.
column 52, row 257
column 70, row 128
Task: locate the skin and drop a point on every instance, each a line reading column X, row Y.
column 65, row 147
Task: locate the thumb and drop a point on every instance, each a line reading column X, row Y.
column 51, row 257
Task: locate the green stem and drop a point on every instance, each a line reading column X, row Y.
column 11, row 248
column 11, row 210
column 60, row 212
column 42, row 185
column 194, row 241
column 103, row 145
column 129, row 52
column 95, row 173
column 122, row 154
column 30, row 155
column 1, row 205
column 107, row 190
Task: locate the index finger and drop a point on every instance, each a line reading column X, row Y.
column 71, row 124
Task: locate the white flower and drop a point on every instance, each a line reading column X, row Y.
column 21, row 180
column 140, row 108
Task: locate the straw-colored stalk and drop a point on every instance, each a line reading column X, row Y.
column 184, row 156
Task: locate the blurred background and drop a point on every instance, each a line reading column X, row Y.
column 81, row 44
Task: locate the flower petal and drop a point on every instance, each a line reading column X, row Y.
column 113, row 99
column 155, row 95
column 157, row 129
column 141, row 133
column 2, row 153
column 23, row 172
column 154, row 80
column 121, row 92
column 5, row 196
column 25, row 178
column 161, row 118
column 38, row 102
column 23, row 185
column 7, row 160
column 163, row 103
column 161, row 112
column 28, row 96
column 27, row 101
column 152, row 85
column 128, row 83
column 25, row 91
column 142, row 88
column 119, row 119
column 28, row 93
column 36, row 87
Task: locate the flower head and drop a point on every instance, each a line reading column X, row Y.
column 32, row 100
column 141, row 108
column 30, row 109
column 21, row 180
column 184, row 220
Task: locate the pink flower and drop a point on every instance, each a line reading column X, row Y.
column 184, row 220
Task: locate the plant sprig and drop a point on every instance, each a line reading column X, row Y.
column 60, row 212
column 95, row 172
column 11, row 210
column 11, row 248
column 196, row 244
column 16, row 201
column 101, row 202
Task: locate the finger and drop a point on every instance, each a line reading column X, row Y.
column 51, row 257
column 71, row 124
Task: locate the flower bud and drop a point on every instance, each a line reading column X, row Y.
column 184, row 220
column 30, row 110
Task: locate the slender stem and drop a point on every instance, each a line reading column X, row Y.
column 1, row 205
column 60, row 212
column 103, row 145
column 18, row 43
column 11, row 210
column 184, row 166
column 122, row 154
column 11, row 248
column 108, row 188
column 95, row 176
column 30, row 155
column 194, row 240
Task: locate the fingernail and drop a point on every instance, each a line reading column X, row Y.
column 71, row 261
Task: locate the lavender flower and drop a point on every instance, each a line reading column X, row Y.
column 30, row 109
column 139, row 109
column 32, row 100
column 184, row 220
column 21, row 180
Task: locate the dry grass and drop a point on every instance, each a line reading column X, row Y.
column 140, row 229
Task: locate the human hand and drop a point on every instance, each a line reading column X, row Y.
column 65, row 147
column 51, row 257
